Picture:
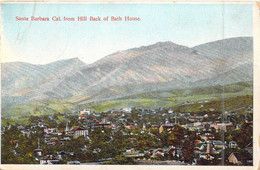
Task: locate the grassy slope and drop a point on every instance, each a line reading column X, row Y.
column 21, row 112
column 236, row 95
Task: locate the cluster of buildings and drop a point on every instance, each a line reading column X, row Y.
column 206, row 148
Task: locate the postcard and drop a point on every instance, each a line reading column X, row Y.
column 129, row 85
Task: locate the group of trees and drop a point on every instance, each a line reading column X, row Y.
column 104, row 145
column 16, row 148
column 101, row 146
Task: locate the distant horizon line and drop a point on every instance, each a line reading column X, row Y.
column 123, row 50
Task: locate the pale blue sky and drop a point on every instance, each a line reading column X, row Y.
column 184, row 24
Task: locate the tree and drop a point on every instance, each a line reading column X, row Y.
column 119, row 142
column 214, row 161
column 188, row 148
column 244, row 135
column 121, row 160
column 145, row 141
column 178, row 135
column 164, row 138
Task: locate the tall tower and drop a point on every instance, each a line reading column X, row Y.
column 38, row 151
column 209, row 147
column 161, row 129
column 87, row 135
column 144, row 128
column 67, row 127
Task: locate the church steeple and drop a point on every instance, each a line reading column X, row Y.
column 67, row 127
column 143, row 129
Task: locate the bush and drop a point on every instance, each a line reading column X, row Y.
column 121, row 160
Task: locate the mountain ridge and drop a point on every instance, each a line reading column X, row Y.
column 163, row 65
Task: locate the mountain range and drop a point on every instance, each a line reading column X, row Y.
column 158, row 67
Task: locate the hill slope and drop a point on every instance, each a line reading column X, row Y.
column 162, row 66
column 159, row 67
column 23, row 81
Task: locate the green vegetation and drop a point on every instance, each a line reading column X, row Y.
column 229, row 104
column 236, row 95
column 121, row 160
column 184, row 100
column 21, row 113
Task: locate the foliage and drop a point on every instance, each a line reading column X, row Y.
column 121, row 160
column 243, row 136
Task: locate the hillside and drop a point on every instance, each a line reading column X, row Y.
column 186, row 100
column 23, row 81
column 164, row 66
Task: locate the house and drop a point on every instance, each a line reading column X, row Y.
column 226, row 126
column 50, row 143
column 20, row 127
column 82, row 117
column 130, row 126
column 96, row 150
column 170, row 111
column 218, row 144
column 240, row 159
column 114, row 114
column 212, row 109
column 190, row 126
column 26, row 133
column 51, row 117
column 206, row 156
column 49, row 130
column 41, row 123
column 230, row 127
column 196, row 118
column 13, row 141
column 156, row 152
column 238, row 126
column 86, row 112
column 132, row 140
column 79, row 131
column 168, row 126
column 49, row 159
column 16, row 153
column 249, row 148
column 130, row 151
column 207, row 136
column 171, row 151
column 232, row 144
column 127, row 110
column 103, row 125
column 155, row 126
column 38, row 152
column 64, row 140
column 64, row 154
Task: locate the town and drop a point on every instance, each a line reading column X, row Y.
column 132, row 136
